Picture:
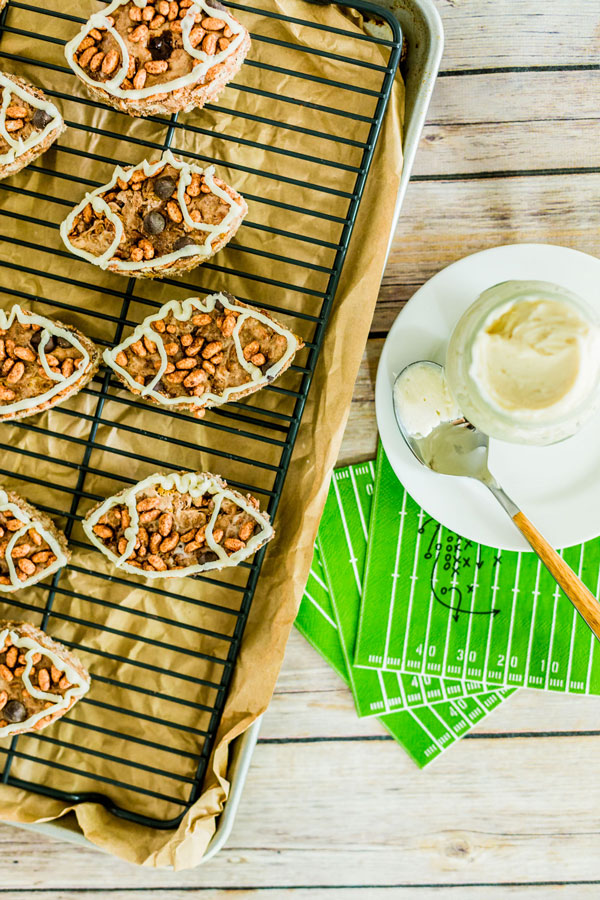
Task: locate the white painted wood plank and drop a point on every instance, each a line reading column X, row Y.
column 487, row 34
column 515, row 97
column 497, row 892
column 509, row 147
column 337, row 813
column 446, row 220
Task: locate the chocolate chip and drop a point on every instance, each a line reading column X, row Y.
column 36, row 337
column 40, row 118
column 164, row 187
column 14, row 711
column 161, row 46
column 205, row 556
column 154, row 223
column 64, row 343
column 215, row 4
column 182, row 242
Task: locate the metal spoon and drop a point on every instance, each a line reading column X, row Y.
column 458, row 448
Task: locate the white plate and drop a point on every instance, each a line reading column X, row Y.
column 558, row 487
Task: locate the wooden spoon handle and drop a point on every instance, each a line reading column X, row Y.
column 583, row 600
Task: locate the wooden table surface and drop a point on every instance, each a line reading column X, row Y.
column 332, row 807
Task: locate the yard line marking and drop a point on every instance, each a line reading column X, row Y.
column 574, row 623
column 431, row 602
column 551, row 646
column 424, row 727
column 471, row 607
column 443, row 722
column 383, row 690
column 321, row 610
column 536, row 594
column 515, row 593
column 480, row 705
column 394, row 582
column 318, row 580
column 353, row 558
column 592, row 643
column 413, row 581
column 443, row 686
column 491, row 625
column 431, row 605
column 358, row 504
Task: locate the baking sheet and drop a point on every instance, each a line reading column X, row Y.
column 183, row 442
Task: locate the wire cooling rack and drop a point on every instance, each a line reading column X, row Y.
column 314, row 175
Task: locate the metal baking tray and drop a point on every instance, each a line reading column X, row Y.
column 422, row 31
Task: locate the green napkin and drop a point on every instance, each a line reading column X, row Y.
column 425, row 714
column 455, row 609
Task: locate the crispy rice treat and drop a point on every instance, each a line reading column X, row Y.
column 40, row 680
column 174, row 525
column 203, row 353
column 29, row 126
column 152, row 57
column 42, row 363
column 155, row 219
column 31, row 546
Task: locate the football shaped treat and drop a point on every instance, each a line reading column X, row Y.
column 155, row 219
column 40, row 680
column 29, row 124
column 202, row 353
column 42, row 363
column 148, row 57
column 181, row 524
column 31, row 546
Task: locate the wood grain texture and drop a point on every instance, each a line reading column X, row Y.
column 333, row 808
column 448, row 219
column 485, row 34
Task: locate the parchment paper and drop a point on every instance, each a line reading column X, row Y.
column 174, row 443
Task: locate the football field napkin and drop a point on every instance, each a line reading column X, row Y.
column 436, row 604
column 424, row 713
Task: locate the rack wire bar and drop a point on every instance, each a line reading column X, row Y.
column 110, row 439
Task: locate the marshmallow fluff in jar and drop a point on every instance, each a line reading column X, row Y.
column 524, row 362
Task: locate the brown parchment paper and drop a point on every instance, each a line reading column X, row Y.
column 109, row 628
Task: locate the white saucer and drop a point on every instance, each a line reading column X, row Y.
column 558, row 486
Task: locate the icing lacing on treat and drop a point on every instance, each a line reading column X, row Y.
column 49, row 329
column 27, row 523
column 101, row 207
column 18, row 146
column 104, row 21
column 79, row 685
column 183, row 311
column 196, row 484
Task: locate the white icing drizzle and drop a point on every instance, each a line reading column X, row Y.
column 49, row 328
column 113, row 85
column 18, row 146
column 196, row 484
column 184, row 311
column 28, row 522
column 203, row 248
column 79, row 685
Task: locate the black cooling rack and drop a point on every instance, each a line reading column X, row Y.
column 295, row 275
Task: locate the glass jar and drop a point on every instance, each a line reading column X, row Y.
column 526, row 373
